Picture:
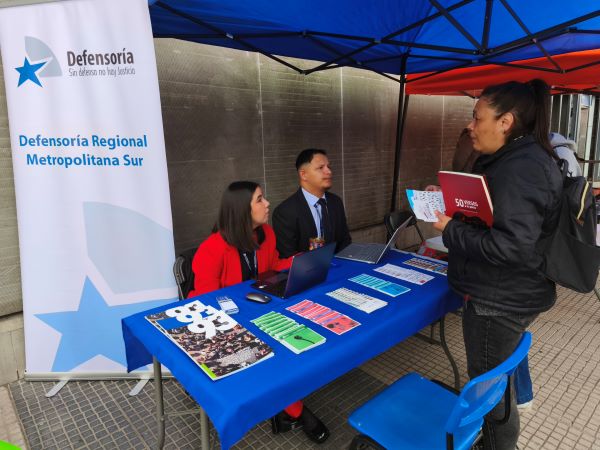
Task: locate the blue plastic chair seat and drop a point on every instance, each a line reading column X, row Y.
column 412, row 414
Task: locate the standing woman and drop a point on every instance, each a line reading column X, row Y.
column 242, row 246
column 497, row 270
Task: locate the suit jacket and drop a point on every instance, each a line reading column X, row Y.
column 294, row 224
column 216, row 264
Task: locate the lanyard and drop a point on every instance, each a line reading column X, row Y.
column 253, row 267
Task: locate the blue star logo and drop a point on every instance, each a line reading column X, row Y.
column 27, row 72
column 95, row 329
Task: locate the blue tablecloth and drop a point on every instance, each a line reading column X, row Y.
column 237, row 403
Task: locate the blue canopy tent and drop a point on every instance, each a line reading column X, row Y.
column 390, row 37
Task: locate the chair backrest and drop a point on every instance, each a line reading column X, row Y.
column 483, row 393
column 394, row 219
column 182, row 270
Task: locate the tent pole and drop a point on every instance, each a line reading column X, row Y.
column 402, row 108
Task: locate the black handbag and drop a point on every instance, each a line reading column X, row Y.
column 571, row 256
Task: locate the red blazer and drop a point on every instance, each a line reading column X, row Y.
column 216, row 264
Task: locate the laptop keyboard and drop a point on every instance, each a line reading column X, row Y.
column 278, row 289
column 358, row 251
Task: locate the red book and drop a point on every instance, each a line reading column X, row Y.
column 466, row 193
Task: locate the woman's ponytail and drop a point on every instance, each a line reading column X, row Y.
column 541, row 128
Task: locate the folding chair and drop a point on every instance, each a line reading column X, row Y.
column 394, row 219
column 182, row 270
column 416, row 413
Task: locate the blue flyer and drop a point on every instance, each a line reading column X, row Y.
column 383, row 286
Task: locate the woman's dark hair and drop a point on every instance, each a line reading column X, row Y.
column 529, row 103
column 235, row 216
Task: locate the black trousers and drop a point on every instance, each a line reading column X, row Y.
column 489, row 340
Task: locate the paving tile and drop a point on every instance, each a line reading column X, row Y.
column 537, row 441
column 567, row 443
column 10, row 427
column 564, row 361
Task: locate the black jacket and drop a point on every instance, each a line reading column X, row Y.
column 294, row 224
column 499, row 267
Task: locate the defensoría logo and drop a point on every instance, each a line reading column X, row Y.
column 39, row 62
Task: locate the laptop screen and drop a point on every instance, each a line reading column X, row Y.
column 394, row 236
column 307, row 270
column 370, row 253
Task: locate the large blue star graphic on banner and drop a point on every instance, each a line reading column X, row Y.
column 27, row 72
column 94, row 329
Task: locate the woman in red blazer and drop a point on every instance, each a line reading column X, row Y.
column 218, row 264
column 241, row 246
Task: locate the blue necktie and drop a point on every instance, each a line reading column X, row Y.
column 326, row 231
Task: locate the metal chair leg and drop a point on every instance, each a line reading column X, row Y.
column 430, row 339
column 364, row 442
column 448, row 354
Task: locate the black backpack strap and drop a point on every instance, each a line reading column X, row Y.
column 563, row 166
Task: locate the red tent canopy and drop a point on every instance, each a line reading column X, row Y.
column 579, row 71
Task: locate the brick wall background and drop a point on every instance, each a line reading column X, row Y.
column 231, row 115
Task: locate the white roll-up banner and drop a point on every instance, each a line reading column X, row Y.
column 92, row 192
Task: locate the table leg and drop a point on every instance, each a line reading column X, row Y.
column 160, row 407
column 448, row 354
column 161, row 415
column 204, row 430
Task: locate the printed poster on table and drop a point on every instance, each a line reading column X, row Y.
column 211, row 338
column 93, row 206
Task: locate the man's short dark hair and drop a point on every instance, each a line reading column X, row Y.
column 306, row 156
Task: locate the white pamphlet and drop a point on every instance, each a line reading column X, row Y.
column 412, row 276
column 424, row 203
column 360, row 301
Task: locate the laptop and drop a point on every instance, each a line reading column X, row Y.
column 370, row 253
column 307, row 270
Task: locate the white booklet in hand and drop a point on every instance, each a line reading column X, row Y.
column 424, row 203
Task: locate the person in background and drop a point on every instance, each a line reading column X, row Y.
column 464, row 155
column 312, row 213
column 242, row 246
column 566, row 149
column 496, row 269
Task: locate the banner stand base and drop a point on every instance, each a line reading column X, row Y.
column 138, row 387
column 56, row 388
column 91, row 376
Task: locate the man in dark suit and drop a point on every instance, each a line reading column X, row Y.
column 311, row 212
